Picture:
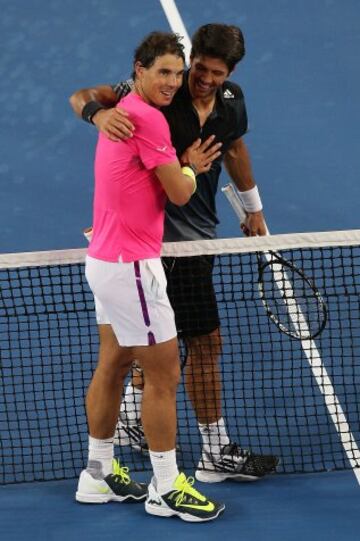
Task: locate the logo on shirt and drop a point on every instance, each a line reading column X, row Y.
column 228, row 94
column 162, row 149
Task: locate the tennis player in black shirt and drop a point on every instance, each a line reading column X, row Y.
column 207, row 111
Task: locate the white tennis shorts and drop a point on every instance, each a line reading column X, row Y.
column 132, row 298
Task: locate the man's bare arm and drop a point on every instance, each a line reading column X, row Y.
column 238, row 165
column 111, row 121
column 103, row 94
column 178, row 186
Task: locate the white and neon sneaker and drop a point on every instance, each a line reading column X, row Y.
column 183, row 501
column 117, row 486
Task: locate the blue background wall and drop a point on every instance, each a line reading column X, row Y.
column 300, row 77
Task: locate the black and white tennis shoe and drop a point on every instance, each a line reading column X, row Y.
column 234, row 463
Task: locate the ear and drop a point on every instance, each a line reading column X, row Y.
column 139, row 69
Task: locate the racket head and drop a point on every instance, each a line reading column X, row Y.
column 290, row 298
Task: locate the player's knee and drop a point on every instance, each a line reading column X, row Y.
column 114, row 370
column 165, row 380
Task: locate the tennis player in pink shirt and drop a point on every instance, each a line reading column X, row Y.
column 129, row 198
column 133, row 180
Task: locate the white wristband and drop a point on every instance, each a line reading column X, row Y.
column 251, row 200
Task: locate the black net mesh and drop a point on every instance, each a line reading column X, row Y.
column 268, row 393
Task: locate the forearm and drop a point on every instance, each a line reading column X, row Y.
column 101, row 111
column 178, row 183
column 238, row 165
column 104, row 95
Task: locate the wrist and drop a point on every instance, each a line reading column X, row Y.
column 251, row 200
column 193, row 167
column 186, row 163
column 89, row 111
column 189, row 172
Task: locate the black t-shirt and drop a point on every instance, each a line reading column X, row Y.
column 198, row 219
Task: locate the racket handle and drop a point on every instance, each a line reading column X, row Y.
column 234, row 199
column 88, row 233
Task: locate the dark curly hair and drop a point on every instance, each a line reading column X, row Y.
column 222, row 41
column 158, row 44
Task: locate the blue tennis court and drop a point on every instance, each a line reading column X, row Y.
column 301, row 85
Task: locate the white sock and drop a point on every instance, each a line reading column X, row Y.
column 102, row 451
column 214, row 437
column 130, row 410
column 165, row 469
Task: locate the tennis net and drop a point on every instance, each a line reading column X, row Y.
column 297, row 399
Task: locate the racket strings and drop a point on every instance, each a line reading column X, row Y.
column 291, row 300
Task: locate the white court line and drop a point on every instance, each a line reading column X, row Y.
column 176, row 24
column 313, row 356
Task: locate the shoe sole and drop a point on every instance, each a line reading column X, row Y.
column 167, row 513
column 215, row 477
column 210, row 476
column 106, row 498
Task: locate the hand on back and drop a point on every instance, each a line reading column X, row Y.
column 114, row 123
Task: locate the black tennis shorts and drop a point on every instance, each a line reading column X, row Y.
column 191, row 294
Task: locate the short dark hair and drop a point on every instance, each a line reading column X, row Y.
column 158, row 44
column 222, row 41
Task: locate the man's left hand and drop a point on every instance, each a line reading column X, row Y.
column 254, row 225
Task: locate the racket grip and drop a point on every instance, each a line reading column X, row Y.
column 234, row 200
column 88, row 233
column 236, row 203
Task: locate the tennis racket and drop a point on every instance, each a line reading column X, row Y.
column 290, row 299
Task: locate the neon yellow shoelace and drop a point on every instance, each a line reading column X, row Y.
column 120, row 474
column 188, row 490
